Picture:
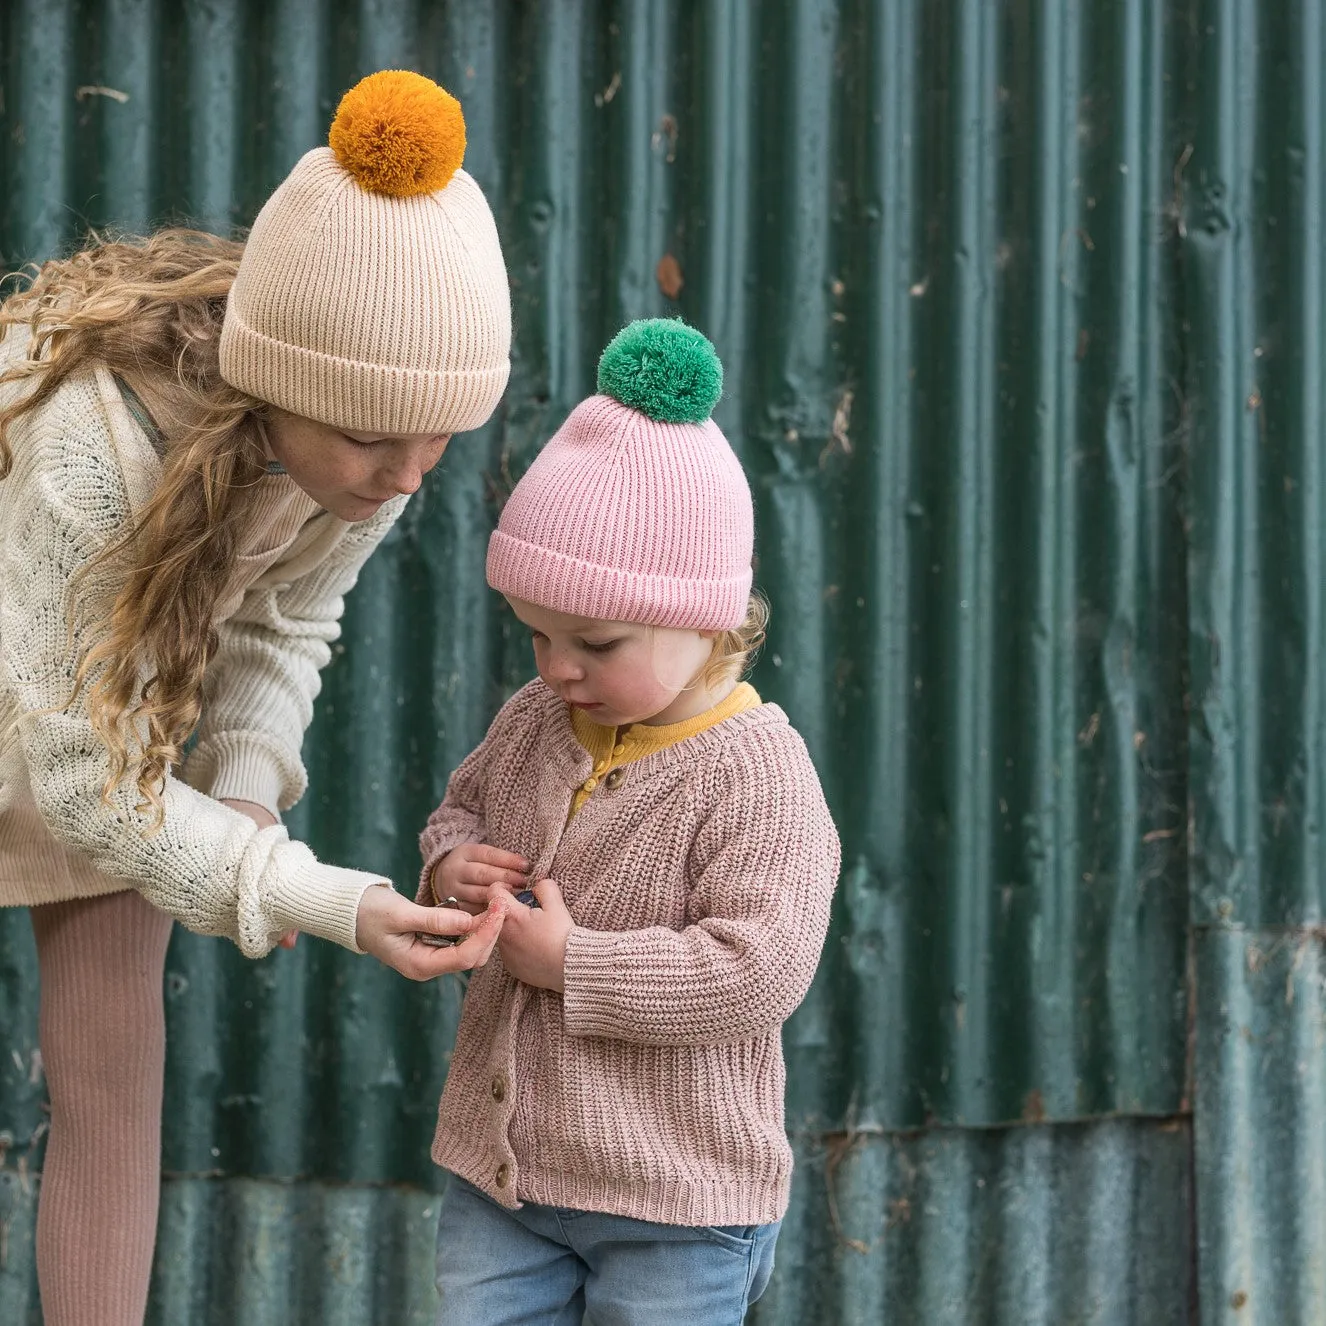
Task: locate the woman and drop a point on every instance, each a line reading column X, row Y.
column 200, row 444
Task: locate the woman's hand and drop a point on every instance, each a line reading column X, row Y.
column 467, row 872
column 534, row 940
column 264, row 819
column 388, row 926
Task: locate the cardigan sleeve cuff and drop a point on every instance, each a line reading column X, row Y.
column 323, row 900
column 591, row 983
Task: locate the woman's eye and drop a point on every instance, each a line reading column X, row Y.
column 355, row 442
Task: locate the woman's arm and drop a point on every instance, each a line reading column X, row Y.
column 264, row 677
column 208, row 865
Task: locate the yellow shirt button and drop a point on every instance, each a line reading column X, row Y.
column 600, row 766
column 619, row 749
column 590, row 784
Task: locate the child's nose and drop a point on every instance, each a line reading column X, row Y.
column 562, row 666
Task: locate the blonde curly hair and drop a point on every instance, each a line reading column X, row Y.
column 733, row 652
column 149, row 309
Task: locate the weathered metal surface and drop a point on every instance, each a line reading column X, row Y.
column 1020, row 307
column 1260, row 1148
column 1250, row 196
column 1054, row 1225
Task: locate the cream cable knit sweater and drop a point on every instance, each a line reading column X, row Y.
column 700, row 885
column 81, row 468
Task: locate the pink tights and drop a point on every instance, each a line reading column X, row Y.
column 103, row 1044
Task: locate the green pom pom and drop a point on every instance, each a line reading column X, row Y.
column 664, row 369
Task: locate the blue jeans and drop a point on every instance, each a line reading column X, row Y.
column 547, row 1266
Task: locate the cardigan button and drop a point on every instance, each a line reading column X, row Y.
column 613, row 779
column 503, row 1175
column 499, row 1090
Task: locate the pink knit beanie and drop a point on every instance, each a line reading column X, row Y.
column 637, row 510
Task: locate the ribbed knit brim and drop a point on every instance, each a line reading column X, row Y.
column 363, row 397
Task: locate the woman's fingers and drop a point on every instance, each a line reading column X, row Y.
column 423, row 962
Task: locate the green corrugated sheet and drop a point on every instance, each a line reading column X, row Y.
column 1021, row 312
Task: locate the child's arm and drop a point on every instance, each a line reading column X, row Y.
column 458, row 823
column 767, row 862
column 459, row 819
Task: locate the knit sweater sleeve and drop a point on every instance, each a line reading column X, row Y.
column 460, row 818
column 264, row 677
column 764, row 866
column 207, row 865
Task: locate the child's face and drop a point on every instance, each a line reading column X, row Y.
column 619, row 672
column 347, row 473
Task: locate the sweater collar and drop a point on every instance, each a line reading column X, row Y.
column 623, row 745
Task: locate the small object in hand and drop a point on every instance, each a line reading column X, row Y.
column 441, row 941
column 527, row 897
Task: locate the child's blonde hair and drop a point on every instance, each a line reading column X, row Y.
column 733, row 652
column 150, row 309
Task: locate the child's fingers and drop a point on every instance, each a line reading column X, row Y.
column 496, row 856
column 549, row 895
column 469, row 898
column 480, row 874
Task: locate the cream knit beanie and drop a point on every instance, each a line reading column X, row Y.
column 372, row 294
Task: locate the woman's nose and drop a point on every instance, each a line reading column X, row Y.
column 406, row 476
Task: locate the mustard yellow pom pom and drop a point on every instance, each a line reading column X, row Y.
column 399, row 133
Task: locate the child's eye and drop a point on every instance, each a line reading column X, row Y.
column 601, row 646
column 537, row 636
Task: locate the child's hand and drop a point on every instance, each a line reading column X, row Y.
column 467, row 872
column 533, row 940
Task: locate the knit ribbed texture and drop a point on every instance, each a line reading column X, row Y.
column 103, row 1042
column 368, row 312
column 700, row 886
column 77, row 460
column 625, row 518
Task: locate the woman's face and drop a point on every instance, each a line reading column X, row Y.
column 347, row 473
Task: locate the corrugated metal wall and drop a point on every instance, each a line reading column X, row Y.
column 1021, row 311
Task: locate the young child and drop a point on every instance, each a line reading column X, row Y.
column 613, row 1115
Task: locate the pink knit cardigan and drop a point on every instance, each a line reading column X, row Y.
column 700, row 883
